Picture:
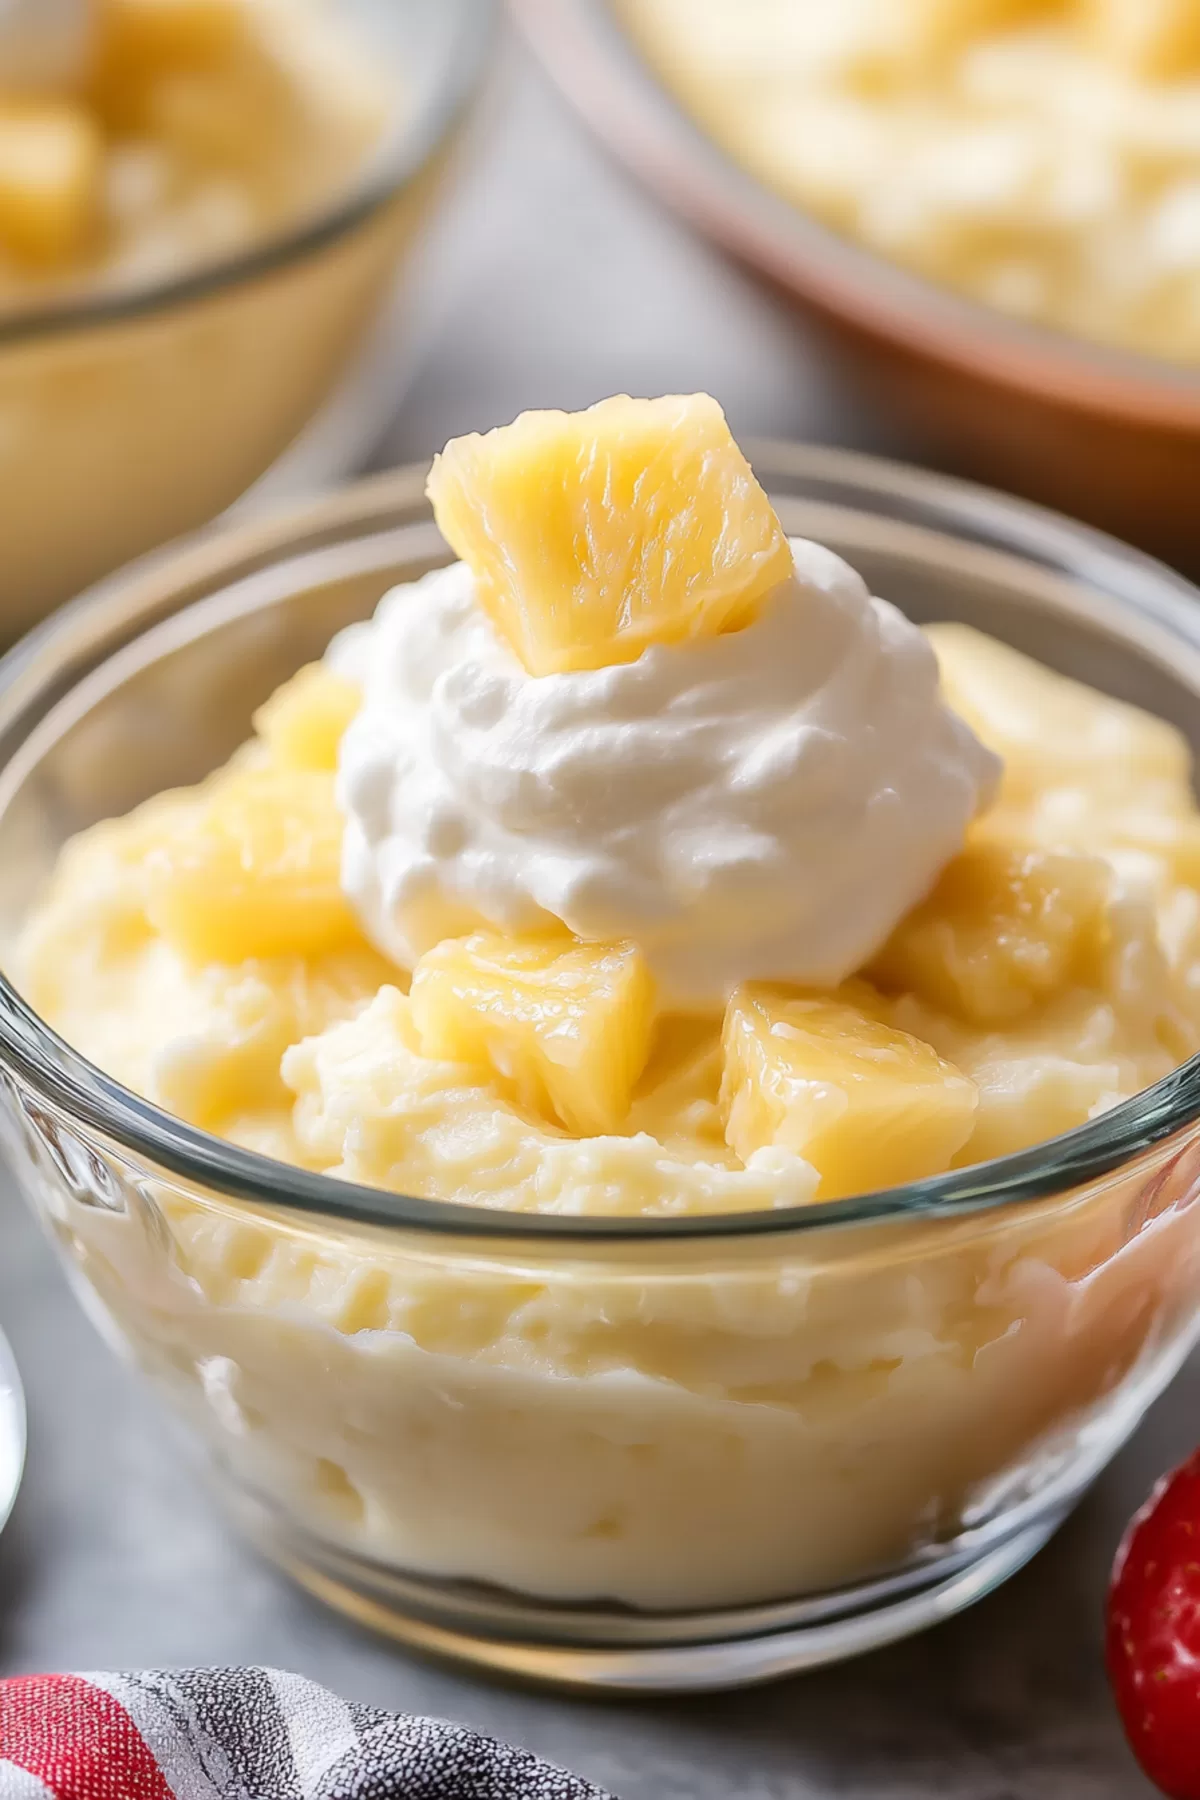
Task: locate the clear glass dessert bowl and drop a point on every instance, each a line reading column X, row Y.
column 132, row 410
column 668, row 1453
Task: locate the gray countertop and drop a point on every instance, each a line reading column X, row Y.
column 551, row 282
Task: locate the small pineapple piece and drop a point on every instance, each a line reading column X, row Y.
column 257, row 873
column 1155, row 38
column 1053, row 732
column 566, row 1025
column 136, row 37
column 1003, row 930
column 303, row 722
column 868, row 1106
column 51, row 160
column 594, row 534
column 931, row 29
column 144, row 49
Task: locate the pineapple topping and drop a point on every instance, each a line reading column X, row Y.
column 593, row 535
column 868, row 1106
column 1003, row 930
column 1158, row 39
column 565, row 1026
column 919, row 34
column 303, row 722
column 141, row 37
column 51, row 166
column 256, row 873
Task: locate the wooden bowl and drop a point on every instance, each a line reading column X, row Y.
column 1110, row 436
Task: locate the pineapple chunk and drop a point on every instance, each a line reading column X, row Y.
column 1003, row 930
column 677, row 1097
column 868, row 1106
column 257, row 873
column 1053, row 732
column 142, row 49
column 566, row 1025
column 51, row 159
column 931, row 29
column 303, row 721
column 137, row 37
column 592, row 535
column 1155, row 38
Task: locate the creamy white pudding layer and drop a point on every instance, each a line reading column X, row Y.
column 672, row 1431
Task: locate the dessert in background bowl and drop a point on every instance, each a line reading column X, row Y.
column 992, row 208
column 1041, row 156
column 499, row 1071
column 201, row 222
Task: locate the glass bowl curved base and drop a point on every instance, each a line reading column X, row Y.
column 712, row 1667
column 613, row 1649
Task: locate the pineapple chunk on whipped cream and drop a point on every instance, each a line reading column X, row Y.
column 761, row 802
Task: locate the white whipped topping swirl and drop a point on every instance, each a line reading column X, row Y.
column 763, row 805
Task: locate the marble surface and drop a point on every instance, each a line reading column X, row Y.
column 551, row 282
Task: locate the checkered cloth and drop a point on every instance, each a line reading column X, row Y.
column 244, row 1734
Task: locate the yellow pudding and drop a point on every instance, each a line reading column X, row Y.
column 671, row 1425
column 1040, row 156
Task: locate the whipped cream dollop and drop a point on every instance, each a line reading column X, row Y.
column 762, row 805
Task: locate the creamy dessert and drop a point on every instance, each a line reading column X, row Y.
column 169, row 329
column 642, row 864
column 140, row 138
column 1042, row 156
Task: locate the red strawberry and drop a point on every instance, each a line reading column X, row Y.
column 1153, row 1647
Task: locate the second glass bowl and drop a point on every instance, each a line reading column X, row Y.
column 649, row 1454
column 127, row 417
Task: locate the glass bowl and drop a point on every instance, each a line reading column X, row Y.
column 128, row 416
column 660, row 1454
column 1106, row 434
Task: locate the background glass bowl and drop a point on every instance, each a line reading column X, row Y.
column 128, row 417
column 1106, row 435
column 651, row 1454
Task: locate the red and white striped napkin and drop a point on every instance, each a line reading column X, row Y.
column 244, row 1734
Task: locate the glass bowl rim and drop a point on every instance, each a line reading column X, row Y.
column 389, row 173
column 598, row 66
column 66, row 1080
